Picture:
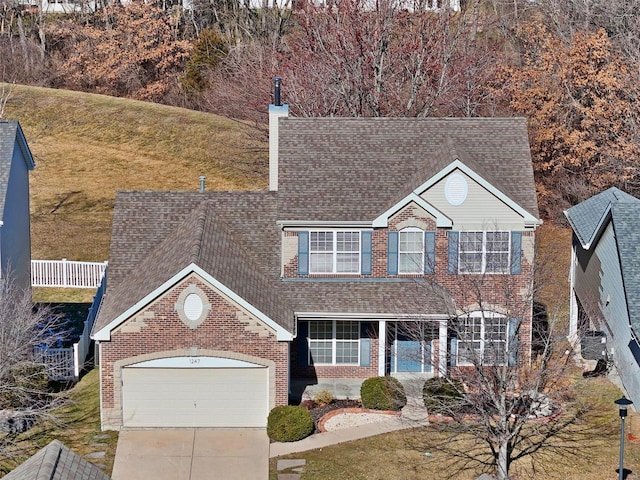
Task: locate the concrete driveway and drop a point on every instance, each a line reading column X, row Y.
column 192, row 454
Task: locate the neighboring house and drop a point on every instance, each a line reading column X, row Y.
column 219, row 302
column 56, row 462
column 605, row 280
column 15, row 238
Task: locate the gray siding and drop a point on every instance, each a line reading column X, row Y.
column 600, row 287
column 15, row 238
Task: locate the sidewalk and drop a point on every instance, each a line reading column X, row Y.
column 320, row 440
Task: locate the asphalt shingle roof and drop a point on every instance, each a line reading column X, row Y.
column 56, row 462
column 347, row 169
column 10, row 136
column 331, row 169
column 625, row 217
column 586, row 217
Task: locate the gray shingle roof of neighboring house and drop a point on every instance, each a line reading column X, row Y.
column 586, row 218
column 351, row 169
column 234, row 237
column 625, row 223
column 56, row 462
column 10, row 135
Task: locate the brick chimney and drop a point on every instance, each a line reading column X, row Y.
column 276, row 110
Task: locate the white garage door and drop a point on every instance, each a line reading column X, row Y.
column 195, row 397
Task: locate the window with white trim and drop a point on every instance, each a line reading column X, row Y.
column 411, row 251
column 484, row 252
column 482, row 338
column 334, row 342
column 334, row 252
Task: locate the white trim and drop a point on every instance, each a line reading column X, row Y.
column 104, row 333
column 484, row 252
column 421, row 252
column 442, row 221
column 195, row 362
column 483, row 316
column 302, row 225
column 442, row 347
column 335, row 252
column 334, row 344
column 529, row 219
column 382, row 347
column 366, row 316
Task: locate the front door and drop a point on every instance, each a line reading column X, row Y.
column 408, row 355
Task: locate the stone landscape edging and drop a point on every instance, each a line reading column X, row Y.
column 341, row 411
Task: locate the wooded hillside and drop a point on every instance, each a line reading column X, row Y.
column 570, row 66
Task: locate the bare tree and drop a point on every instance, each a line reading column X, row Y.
column 5, row 93
column 497, row 404
column 27, row 331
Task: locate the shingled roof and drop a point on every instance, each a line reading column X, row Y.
column 11, row 136
column 353, row 169
column 234, row 237
column 587, row 218
column 56, row 462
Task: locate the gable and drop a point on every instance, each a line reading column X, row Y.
column 135, row 317
column 473, row 205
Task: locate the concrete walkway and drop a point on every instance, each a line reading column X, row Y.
column 320, row 440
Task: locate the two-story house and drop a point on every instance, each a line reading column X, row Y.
column 15, row 238
column 218, row 302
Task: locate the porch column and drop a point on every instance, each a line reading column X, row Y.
column 382, row 346
column 442, row 348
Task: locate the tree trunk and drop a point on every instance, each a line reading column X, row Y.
column 503, row 461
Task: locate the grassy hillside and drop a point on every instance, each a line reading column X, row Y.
column 89, row 146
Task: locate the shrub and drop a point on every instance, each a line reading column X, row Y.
column 288, row 423
column 23, row 385
column 441, row 395
column 323, row 397
column 383, row 393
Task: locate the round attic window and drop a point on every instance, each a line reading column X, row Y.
column 193, row 306
column 456, row 189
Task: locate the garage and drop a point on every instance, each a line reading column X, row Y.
column 195, row 392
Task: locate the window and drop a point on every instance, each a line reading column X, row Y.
column 411, row 251
column 334, row 252
column 484, row 252
column 482, row 337
column 334, row 342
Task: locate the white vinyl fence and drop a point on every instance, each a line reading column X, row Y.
column 67, row 363
column 66, row 273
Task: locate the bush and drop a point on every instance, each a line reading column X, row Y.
column 442, row 395
column 288, row 423
column 383, row 393
column 323, row 397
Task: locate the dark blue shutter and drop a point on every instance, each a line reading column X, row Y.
column 302, row 344
column 453, row 252
column 365, row 239
column 453, row 352
column 429, row 252
column 513, row 328
column 365, row 344
column 392, row 253
column 516, row 253
column 303, row 253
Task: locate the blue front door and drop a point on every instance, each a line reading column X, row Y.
column 410, row 355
